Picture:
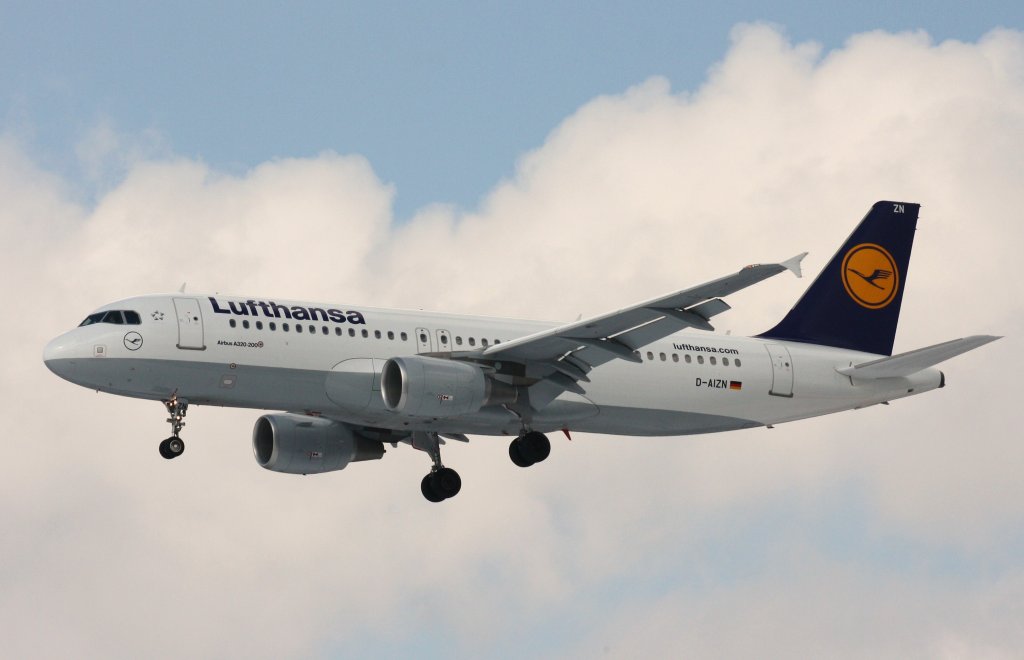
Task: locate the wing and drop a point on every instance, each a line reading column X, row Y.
column 559, row 358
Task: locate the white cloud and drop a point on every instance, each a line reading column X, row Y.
column 109, row 551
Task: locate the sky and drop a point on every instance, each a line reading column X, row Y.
column 545, row 162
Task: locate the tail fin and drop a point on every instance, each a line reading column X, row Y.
column 855, row 301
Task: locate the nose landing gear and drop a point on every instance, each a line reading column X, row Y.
column 174, row 446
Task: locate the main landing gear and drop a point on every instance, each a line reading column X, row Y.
column 442, row 482
column 174, row 446
column 529, row 448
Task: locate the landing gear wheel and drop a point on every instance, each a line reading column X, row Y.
column 515, row 452
column 441, row 484
column 447, row 482
column 427, row 488
column 172, row 447
column 539, row 446
column 530, row 448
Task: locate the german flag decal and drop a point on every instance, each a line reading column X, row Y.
column 735, row 385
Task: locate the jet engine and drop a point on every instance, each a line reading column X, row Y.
column 298, row 444
column 436, row 388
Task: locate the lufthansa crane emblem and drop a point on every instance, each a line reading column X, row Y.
column 870, row 275
column 133, row 341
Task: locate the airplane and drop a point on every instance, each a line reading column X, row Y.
column 352, row 379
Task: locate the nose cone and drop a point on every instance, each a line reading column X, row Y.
column 58, row 356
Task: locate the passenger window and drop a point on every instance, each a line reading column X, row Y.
column 423, row 338
column 391, row 335
column 298, row 327
column 245, row 324
column 675, row 357
column 662, row 356
column 376, row 333
column 132, row 318
column 337, row 331
column 312, row 329
column 483, row 342
column 232, row 323
column 405, row 337
column 365, row 333
column 259, row 325
column 650, row 356
column 688, row 358
column 324, row 330
column 472, row 341
column 712, row 359
column 351, row 332
column 444, row 340
column 273, row 326
column 738, row 363
column 725, row 362
column 284, row 326
column 458, row 340
column 700, row 359
column 497, row 341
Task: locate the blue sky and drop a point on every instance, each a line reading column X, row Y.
column 441, row 97
column 540, row 162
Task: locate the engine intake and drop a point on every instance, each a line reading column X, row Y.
column 298, row 444
column 432, row 387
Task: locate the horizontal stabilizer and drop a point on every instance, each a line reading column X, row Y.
column 911, row 362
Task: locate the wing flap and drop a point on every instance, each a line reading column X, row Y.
column 911, row 362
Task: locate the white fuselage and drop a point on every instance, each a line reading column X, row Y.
column 222, row 351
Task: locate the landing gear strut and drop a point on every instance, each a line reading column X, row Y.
column 173, row 446
column 442, row 482
column 529, row 448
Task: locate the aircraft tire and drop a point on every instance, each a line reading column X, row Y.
column 428, row 490
column 537, row 446
column 165, row 450
column 175, row 446
column 517, row 454
column 447, row 482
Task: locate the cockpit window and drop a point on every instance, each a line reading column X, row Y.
column 115, row 316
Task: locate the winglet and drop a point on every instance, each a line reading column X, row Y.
column 793, row 265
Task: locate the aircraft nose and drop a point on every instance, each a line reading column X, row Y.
column 51, row 353
column 56, row 355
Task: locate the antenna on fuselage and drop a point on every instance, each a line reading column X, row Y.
column 182, row 289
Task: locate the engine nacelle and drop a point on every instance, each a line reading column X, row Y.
column 298, row 444
column 432, row 387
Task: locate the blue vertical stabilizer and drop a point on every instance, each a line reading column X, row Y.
column 855, row 302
